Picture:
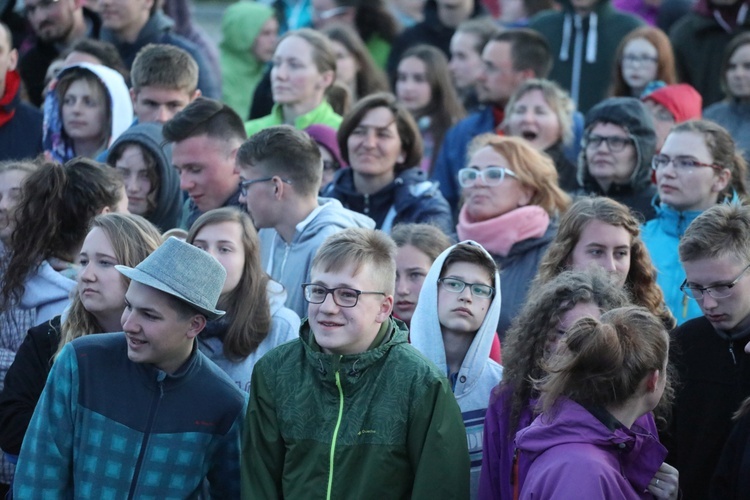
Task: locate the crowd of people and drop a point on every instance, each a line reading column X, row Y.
column 375, row 249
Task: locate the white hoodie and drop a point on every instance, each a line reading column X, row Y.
column 478, row 374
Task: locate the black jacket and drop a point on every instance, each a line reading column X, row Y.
column 24, row 383
column 713, row 379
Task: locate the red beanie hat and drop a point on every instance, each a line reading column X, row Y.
column 682, row 100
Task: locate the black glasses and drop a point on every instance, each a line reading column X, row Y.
column 244, row 185
column 660, row 162
column 456, row 285
column 492, row 176
column 342, row 296
column 720, row 291
column 615, row 143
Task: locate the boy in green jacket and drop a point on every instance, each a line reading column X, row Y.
column 350, row 409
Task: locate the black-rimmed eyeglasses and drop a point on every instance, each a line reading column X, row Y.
column 456, row 285
column 244, row 185
column 720, row 291
column 342, row 296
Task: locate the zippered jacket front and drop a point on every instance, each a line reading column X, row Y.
column 106, row 427
column 380, row 424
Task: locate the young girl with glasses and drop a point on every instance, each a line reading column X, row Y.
column 698, row 167
column 643, row 56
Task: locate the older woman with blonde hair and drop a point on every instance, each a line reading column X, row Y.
column 542, row 113
column 511, row 204
column 599, row 231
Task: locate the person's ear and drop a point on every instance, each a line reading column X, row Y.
column 527, row 193
column 196, row 325
column 195, row 95
column 386, row 306
column 652, row 380
column 721, row 180
column 12, row 59
column 133, row 96
column 105, row 210
column 326, row 79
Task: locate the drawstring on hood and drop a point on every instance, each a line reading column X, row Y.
column 592, row 40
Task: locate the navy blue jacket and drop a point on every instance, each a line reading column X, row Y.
column 21, row 137
column 409, row 198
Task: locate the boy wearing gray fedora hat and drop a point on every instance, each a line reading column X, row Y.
column 144, row 412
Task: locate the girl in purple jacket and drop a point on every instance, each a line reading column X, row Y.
column 587, row 443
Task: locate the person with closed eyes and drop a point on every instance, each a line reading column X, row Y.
column 698, row 167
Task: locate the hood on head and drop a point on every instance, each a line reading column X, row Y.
column 632, row 115
column 426, row 331
column 240, row 26
column 681, row 99
column 168, row 200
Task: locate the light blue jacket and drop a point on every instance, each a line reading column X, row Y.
column 662, row 237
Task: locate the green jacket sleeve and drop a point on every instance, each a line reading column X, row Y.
column 263, row 447
column 437, row 446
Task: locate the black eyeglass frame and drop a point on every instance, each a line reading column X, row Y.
column 332, row 292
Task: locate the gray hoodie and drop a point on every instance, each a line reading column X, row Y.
column 478, row 374
column 290, row 263
column 168, row 211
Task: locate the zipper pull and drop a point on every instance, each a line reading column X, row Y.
column 731, row 351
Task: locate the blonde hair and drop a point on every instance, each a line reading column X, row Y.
column 532, row 168
column 133, row 238
column 360, row 247
column 557, row 99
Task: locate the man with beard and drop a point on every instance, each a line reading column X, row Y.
column 57, row 25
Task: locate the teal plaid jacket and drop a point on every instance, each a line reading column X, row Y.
column 106, row 427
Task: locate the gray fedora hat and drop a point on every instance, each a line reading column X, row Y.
column 183, row 271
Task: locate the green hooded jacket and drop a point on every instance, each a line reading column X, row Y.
column 240, row 69
column 322, row 115
column 380, row 424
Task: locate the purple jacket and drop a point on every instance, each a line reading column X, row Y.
column 497, row 461
column 569, row 453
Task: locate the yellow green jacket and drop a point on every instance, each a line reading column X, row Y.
column 323, row 115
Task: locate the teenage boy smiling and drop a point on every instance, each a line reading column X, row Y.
column 350, row 409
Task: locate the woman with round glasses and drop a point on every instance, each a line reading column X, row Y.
column 511, row 205
column 381, row 143
column 643, row 56
column 618, row 143
column 600, row 232
column 698, row 166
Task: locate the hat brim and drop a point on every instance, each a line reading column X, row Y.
column 148, row 280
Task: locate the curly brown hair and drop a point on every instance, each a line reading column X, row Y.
column 641, row 279
column 53, row 215
column 524, row 346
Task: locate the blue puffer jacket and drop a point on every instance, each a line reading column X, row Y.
column 662, row 237
column 452, row 155
column 409, row 198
